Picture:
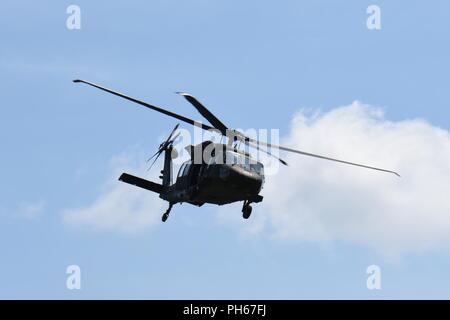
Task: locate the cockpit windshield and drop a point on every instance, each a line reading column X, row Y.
column 238, row 159
column 234, row 158
column 257, row 167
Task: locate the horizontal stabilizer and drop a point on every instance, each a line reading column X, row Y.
column 142, row 183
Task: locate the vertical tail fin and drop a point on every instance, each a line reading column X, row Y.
column 167, row 170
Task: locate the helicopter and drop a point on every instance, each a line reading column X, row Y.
column 216, row 173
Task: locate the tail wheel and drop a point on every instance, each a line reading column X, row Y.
column 246, row 211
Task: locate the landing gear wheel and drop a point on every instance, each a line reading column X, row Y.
column 246, row 211
column 166, row 214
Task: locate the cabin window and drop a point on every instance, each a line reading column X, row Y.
column 180, row 172
column 184, row 169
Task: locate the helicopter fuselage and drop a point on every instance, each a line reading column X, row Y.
column 215, row 183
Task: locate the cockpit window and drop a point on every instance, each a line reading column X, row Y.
column 234, row 158
column 257, row 167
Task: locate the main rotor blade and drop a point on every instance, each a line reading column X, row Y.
column 220, row 126
column 205, row 112
column 256, row 146
column 145, row 104
column 319, row 156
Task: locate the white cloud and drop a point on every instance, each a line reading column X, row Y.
column 321, row 201
column 120, row 207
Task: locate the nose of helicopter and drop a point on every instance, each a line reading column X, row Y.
column 251, row 182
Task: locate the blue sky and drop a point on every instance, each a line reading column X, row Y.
column 255, row 64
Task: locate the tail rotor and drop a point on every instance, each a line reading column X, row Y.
column 164, row 146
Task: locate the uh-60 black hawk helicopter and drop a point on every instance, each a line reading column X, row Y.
column 224, row 174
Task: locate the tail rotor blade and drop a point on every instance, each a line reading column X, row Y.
column 156, row 158
column 169, row 140
column 173, row 131
column 157, row 152
column 164, row 145
column 175, row 137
